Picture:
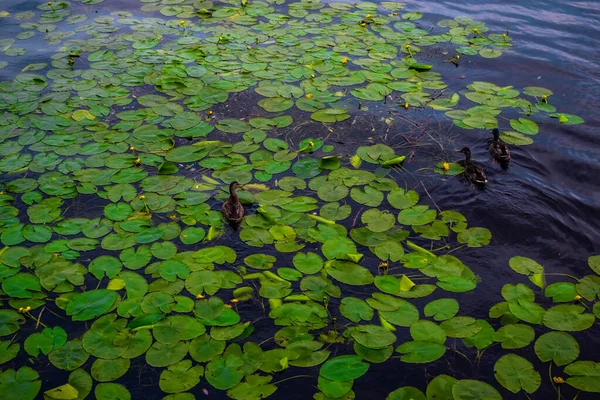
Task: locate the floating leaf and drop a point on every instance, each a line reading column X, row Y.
column 330, row 115
column 107, row 391
column 568, row 317
column 584, row 376
column 416, row 215
column 514, row 336
column 468, row 389
column 356, row 309
column 516, row 373
column 373, row 336
column 559, row 347
column 70, row 356
column 460, row 327
column 19, row 385
column 475, row 237
column 441, row 309
column 89, row 305
column 344, row 368
column 406, row 393
column 46, row 341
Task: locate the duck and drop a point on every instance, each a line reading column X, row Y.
column 232, row 209
column 498, row 149
column 473, row 173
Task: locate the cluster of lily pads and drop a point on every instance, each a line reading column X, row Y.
column 305, row 54
column 110, row 192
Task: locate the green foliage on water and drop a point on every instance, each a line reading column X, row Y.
column 115, row 166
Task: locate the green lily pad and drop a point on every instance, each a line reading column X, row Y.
column 468, row 389
column 330, row 115
column 180, row 377
column 516, row 373
column 89, row 305
column 406, row 393
column 373, row 336
column 344, row 368
column 9, row 322
column 594, row 263
column 440, row 387
column 109, row 370
column 421, row 352
column 524, row 125
column 46, row 341
column 417, row 215
column 514, row 336
column 525, row 266
column 441, row 309
column 583, row 375
column 22, row 384
column 568, row 317
column 70, row 356
column 460, row 327
column 356, row 309
column 21, row 286
column 559, row 347
column 225, row 371
column 475, row 237
column 110, row 391
column 254, row 387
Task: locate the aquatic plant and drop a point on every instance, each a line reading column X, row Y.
column 109, row 206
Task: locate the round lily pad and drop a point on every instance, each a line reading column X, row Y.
column 344, row 368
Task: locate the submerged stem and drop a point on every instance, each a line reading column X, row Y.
column 265, row 341
column 292, row 377
column 464, row 355
column 560, row 274
column 457, row 248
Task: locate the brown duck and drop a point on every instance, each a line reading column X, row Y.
column 473, row 173
column 499, row 150
column 232, row 209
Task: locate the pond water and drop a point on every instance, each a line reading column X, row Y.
column 123, row 123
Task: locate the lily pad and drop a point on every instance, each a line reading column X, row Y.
column 559, row 347
column 583, row 375
column 516, row 373
column 344, row 368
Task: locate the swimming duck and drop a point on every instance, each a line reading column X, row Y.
column 498, row 149
column 473, row 173
column 232, row 209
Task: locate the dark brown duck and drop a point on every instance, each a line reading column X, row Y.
column 232, row 209
column 473, row 173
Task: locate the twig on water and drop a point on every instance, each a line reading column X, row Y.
column 355, row 218
column 426, row 191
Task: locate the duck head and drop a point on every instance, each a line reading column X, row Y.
column 466, row 151
column 233, row 186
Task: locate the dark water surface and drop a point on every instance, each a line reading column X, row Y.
column 546, row 206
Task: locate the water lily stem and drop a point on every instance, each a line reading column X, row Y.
column 426, row 191
column 446, row 246
column 55, row 314
column 464, row 355
column 265, row 341
column 38, row 322
column 552, row 380
column 292, row 377
column 559, row 274
column 457, row 248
